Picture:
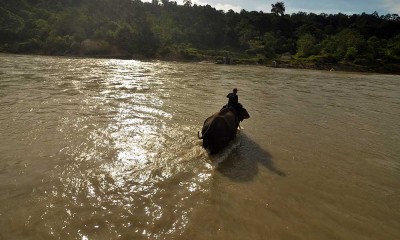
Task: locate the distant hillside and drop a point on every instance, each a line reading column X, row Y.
column 165, row 30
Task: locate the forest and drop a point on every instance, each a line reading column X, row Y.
column 165, row 30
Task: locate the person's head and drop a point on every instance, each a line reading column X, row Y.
column 235, row 90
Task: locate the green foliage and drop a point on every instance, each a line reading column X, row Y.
column 306, row 46
column 58, row 45
column 10, row 25
column 346, row 43
column 124, row 38
column 278, row 8
column 31, row 45
column 393, row 48
column 41, row 28
column 351, row 53
column 270, row 44
column 187, row 3
column 376, row 48
column 71, row 22
column 192, row 32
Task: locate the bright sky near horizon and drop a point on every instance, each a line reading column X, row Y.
column 383, row 7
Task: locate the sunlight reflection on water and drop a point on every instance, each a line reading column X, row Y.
column 126, row 162
column 108, row 149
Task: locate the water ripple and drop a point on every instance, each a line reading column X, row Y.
column 107, row 149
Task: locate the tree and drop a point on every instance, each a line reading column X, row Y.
column 306, row 45
column 376, row 48
column 351, row 53
column 338, row 45
column 187, row 3
column 151, row 28
column 124, row 37
column 269, row 44
column 165, row 2
column 278, row 8
column 10, row 25
column 393, row 48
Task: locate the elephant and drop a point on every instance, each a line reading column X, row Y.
column 221, row 127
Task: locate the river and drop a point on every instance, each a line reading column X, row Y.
column 108, row 149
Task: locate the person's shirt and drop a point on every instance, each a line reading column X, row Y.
column 233, row 98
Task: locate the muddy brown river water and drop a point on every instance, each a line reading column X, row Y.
column 108, row 149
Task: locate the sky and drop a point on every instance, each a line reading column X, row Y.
column 383, row 7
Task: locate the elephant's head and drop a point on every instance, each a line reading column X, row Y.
column 243, row 114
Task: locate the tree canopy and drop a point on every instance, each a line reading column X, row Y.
column 164, row 29
column 278, row 8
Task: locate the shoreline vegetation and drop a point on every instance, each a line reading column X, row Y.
column 164, row 30
column 286, row 63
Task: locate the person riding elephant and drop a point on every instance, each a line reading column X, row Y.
column 220, row 128
column 233, row 100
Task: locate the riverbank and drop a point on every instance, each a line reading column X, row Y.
column 390, row 68
column 237, row 59
column 231, row 58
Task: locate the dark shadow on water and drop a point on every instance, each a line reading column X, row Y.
column 243, row 163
